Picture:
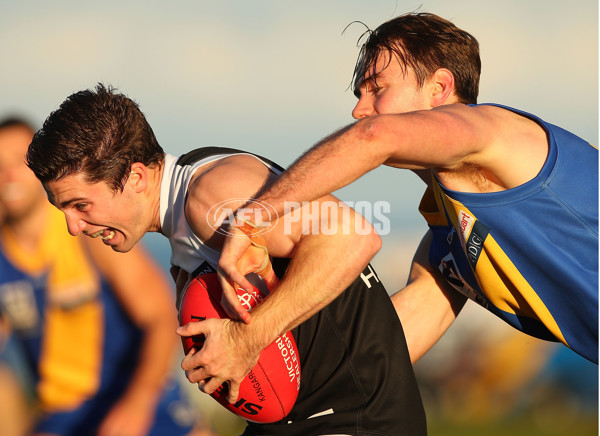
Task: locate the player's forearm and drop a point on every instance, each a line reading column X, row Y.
column 331, row 164
column 427, row 306
column 425, row 317
column 321, row 269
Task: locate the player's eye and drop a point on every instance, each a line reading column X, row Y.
column 81, row 206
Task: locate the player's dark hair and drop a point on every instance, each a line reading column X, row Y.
column 99, row 133
column 425, row 43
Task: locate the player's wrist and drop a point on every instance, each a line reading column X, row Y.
column 248, row 339
column 253, row 232
column 250, row 220
column 263, row 329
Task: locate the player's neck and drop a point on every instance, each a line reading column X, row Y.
column 153, row 196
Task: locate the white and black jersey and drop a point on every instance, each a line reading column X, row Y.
column 357, row 378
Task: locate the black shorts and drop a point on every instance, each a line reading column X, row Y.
column 357, row 378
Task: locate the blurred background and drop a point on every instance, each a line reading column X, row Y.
column 273, row 77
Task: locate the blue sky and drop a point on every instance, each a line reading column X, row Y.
column 272, row 76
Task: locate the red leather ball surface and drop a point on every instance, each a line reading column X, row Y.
column 270, row 390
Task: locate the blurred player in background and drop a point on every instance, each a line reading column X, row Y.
column 96, row 326
column 14, row 408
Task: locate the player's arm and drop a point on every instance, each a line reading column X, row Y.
column 508, row 149
column 322, row 266
column 427, row 306
column 445, row 137
column 145, row 294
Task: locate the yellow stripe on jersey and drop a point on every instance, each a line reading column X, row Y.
column 508, row 290
column 70, row 361
column 430, row 210
column 497, row 276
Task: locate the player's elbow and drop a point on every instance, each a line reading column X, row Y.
column 374, row 242
column 349, row 233
column 369, row 129
column 376, row 135
column 366, row 239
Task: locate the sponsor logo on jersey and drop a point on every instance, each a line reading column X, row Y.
column 472, row 234
column 474, row 245
column 464, row 223
column 449, row 269
column 450, row 236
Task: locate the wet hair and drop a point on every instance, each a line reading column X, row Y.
column 424, row 43
column 99, row 133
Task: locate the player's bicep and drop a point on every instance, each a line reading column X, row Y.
column 445, row 137
column 215, row 195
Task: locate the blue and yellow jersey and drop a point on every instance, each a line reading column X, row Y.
column 81, row 345
column 528, row 254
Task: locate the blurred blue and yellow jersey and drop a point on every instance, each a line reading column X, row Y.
column 81, row 345
column 528, row 254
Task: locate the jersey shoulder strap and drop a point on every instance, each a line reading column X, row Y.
column 204, row 152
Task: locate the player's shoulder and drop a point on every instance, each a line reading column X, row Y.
column 244, row 164
column 475, row 112
column 238, row 174
column 230, row 180
column 497, row 114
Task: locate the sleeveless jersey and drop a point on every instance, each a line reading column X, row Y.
column 528, row 254
column 81, row 346
column 357, row 378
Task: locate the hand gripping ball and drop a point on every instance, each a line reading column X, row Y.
column 269, row 391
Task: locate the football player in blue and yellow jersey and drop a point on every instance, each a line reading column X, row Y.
column 511, row 200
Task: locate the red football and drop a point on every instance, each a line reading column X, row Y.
column 269, row 391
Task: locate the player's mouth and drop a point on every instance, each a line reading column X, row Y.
column 105, row 234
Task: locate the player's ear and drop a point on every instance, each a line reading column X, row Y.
column 442, row 87
column 138, row 176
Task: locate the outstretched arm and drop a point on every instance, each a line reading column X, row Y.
column 493, row 149
column 506, row 148
column 444, row 137
column 427, row 306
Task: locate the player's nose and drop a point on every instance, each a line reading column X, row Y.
column 363, row 108
column 75, row 225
